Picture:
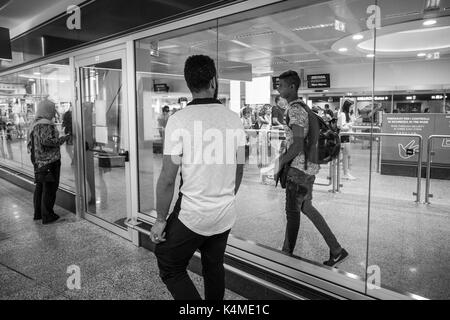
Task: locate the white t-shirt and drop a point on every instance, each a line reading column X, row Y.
column 207, row 137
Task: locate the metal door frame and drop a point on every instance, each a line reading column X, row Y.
column 94, row 57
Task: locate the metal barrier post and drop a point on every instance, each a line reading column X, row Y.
column 333, row 176
column 427, row 185
column 378, row 154
column 419, row 160
column 338, row 172
column 428, row 195
column 419, row 170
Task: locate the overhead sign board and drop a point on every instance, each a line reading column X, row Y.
column 5, row 44
column 161, row 87
column 316, row 81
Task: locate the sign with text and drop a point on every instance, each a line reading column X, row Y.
column 161, row 87
column 316, row 81
column 406, row 148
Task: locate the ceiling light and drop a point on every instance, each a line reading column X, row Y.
column 343, row 49
column 370, row 55
column 429, row 22
column 422, row 54
column 358, row 37
column 241, row 43
column 37, row 73
column 31, row 80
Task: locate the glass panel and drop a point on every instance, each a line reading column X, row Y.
column 105, row 138
column 162, row 91
column 256, row 46
column 409, row 241
column 56, row 85
column 12, row 90
column 19, row 95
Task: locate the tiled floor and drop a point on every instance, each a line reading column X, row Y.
column 409, row 242
column 34, row 258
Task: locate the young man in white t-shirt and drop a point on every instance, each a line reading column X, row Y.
column 206, row 141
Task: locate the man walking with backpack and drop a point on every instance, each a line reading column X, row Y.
column 302, row 130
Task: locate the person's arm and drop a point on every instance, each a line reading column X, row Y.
column 48, row 136
column 296, row 147
column 166, row 181
column 275, row 121
column 297, row 122
column 164, row 194
column 240, row 156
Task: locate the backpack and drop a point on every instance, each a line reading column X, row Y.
column 322, row 144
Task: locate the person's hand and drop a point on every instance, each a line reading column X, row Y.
column 276, row 169
column 157, row 233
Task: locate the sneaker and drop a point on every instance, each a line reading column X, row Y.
column 336, row 259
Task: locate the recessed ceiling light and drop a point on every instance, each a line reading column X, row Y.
column 422, row 54
column 358, row 37
column 429, row 22
column 37, row 73
column 343, row 49
column 370, row 55
column 31, row 80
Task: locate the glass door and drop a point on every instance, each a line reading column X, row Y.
column 104, row 125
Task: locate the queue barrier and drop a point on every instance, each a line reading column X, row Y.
column 373, row 128
column 379, row 135
column 281, row 134
column 429, row 158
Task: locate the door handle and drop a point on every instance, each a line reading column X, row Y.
column 125, row 154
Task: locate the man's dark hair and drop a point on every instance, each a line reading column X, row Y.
column 165, row 109
column 327, row 106
column 198, row 72
column 291, row 77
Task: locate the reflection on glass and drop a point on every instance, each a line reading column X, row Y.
column 331, row 38
column 104, row 138
column 409, row 241
column 162, row 91
column 23, row 90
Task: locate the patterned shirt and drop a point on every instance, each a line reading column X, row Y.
column 299, row 116
column 46, row 144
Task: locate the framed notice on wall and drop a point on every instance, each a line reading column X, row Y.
column 317, row 81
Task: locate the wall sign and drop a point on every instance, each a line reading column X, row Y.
column 318, row 81
column 161, row 87
column 399, row 150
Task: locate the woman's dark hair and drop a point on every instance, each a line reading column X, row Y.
column 346, row 110
column 198, row 72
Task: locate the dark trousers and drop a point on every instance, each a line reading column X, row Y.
column 299, row 187
column 45, row 193
column 175, row 253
